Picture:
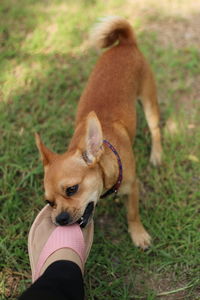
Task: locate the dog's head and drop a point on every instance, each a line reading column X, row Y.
column 73, row 181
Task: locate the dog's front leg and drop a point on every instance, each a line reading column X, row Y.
column 139, row 235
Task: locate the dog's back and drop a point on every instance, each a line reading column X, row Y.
column 115, row 80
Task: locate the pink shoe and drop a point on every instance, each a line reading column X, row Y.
column 48, row 243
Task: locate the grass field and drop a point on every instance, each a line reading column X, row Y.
column 44, row 65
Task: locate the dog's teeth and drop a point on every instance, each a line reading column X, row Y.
column 81, row 221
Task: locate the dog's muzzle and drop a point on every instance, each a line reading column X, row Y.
column 86, row 216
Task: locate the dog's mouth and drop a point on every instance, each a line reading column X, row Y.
column 86, row 216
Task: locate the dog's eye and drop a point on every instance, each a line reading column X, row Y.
column 70, row 191
column 50, row 203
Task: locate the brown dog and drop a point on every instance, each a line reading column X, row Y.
column 101, row 147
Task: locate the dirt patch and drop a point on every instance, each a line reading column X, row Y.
column 175, row 22
column 178, row 33
column 11, row 283
column 165, row 286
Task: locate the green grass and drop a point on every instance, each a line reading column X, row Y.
column 44, row 68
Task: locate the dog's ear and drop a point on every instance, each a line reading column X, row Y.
column 45, row 153
column 93, row 139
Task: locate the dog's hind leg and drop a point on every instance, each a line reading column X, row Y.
column 139, row 235
column 148, row 97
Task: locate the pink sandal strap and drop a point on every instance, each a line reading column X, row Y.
column 62, row 237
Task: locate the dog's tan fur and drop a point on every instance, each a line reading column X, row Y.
column 106, row 111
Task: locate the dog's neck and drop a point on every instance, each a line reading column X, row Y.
column 110, row 169
column 114, row 189
column 108, row 163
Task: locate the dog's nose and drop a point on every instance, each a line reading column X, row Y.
column 63, row 218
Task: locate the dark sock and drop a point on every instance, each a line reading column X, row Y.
column 62, row 280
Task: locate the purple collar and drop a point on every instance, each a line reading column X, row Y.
column 116, row 186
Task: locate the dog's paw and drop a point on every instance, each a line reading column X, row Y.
column 156, row 158
column 140, row 236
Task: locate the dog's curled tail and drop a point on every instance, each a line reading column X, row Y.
column 111, row 29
